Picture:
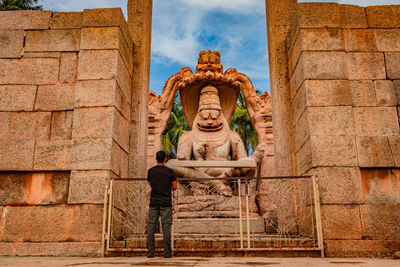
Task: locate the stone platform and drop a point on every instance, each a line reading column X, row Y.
column 217, row 225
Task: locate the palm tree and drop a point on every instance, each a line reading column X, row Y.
column 241, row 123
column 175, row 126
column 19, row 5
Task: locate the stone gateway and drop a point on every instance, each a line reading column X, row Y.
column 75, row 111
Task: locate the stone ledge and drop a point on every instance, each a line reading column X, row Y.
column 361, row 248
column 64, row 249
column 107, row 17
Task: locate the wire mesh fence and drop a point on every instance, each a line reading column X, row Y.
column 219, row 214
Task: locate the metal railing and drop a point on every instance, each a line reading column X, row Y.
column 206, row 220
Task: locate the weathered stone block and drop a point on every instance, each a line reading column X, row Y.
column 66, row 20
column 53, row 40
column 339, row 185
column 52, row 223
column 107, row 17
column 361, row 248
column 328, row 93
column 385, row 93
column 101, row 93
column 388, row 40
column 304, row 158
column 363, row 93
column 88, row 186
column 55, row 97
column 330, row 120
column 29, row 71
column 299, row 103
column 316, row 40
column 53, row 155
column 376, row 121
column 104, row 64
column 86, row 123
column 16, row 154
column 381, row 221
column 61, row 249
column 11, row 42
column 397, row 89
column 17, row 97
column 341, row 222
column 321, row 93
column 360, row 40
column 374, row 151
column 353, row 16
column 393, row 65
column 333, row 151
column 119, row 160
column 26, row 19
column 25, row 125
column 20, row 188
column 381, row 186
column 68, row 67
column 366, row 66
column 394, row 142
column 318, row 66
column 61, row 125
column 42, row 129
column 383, row 16
column 120, row 130
column 92, row 154
column 319, row 15
column 301, row 131
column 107, row 38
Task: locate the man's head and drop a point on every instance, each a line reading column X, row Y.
column 161, row 156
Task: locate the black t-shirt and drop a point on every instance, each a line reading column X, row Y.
column 160, row 178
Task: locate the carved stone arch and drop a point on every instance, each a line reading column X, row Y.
column 209, row 71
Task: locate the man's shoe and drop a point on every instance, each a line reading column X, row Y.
column 150, row 256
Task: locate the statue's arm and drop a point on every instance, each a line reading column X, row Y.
column 184, row 150
column 237, row 146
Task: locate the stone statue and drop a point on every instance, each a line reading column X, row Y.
column 208, row 99
column 211, row 139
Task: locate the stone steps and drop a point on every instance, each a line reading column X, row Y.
column 220, row 241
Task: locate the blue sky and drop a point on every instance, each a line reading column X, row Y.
column 182, row 28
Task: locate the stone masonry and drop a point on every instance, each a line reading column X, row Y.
column 74, row 109
column 343, row 67
column 65, row 101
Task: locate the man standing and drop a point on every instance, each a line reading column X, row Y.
column 162, row 180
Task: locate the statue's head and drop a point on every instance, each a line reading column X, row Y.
column 209, row 117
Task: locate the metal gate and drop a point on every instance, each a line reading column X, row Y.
column 206, row 220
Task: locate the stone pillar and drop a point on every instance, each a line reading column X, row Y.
column 280, row 15
column 139, row 22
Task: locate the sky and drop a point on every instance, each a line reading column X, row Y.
column 182, row 28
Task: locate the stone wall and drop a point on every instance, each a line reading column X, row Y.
column 344, row 64
column 65, row 103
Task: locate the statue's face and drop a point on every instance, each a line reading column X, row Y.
column 210, row 120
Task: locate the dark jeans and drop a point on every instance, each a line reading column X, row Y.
column 166, row 221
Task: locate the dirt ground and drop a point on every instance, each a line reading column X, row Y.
column 196, row 261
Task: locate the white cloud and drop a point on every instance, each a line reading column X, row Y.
column 236, row 6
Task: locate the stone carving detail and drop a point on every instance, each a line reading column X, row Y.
column 208, row 71
column 208, row 97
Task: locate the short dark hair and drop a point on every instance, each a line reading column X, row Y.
column 160, row 156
